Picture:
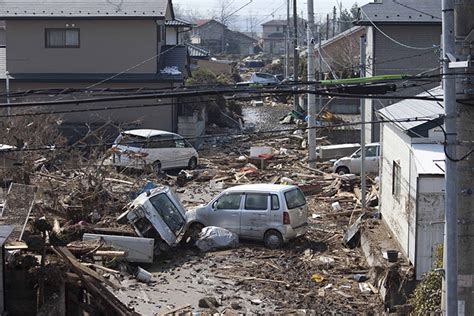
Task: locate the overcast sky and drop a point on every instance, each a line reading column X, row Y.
column 262, row 10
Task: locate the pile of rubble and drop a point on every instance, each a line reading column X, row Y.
column 316, row 272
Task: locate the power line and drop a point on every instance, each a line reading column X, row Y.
column 347, row 124
column 414, row 9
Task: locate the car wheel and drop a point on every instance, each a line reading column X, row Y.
column 192, row 234
column 156, row 166
column 342, row 170
column 273, row 239
column 192, row 163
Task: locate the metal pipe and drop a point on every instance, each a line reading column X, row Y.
column 287, row 42
column 450, row 229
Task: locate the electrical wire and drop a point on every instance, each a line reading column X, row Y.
column 416, row 10
column 392, row 39
column 217, row 136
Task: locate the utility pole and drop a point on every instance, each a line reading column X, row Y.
column 327, row 26
column 334, row 12
column 7, row 86
column 295, row 52
column 287, row 42
column 463, row 118
column 450, row 299
column 362, row 127
column 311, row 96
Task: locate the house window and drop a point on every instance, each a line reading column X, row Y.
column 396, row 179
column 278, row 29
column 62, row 38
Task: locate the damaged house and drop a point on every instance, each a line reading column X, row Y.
column 96, row 46
column 412, row 178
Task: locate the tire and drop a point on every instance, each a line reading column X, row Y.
column 273, row 239
column 342, row 170
column 192, row 163
column 192, row 234
column 156, row 167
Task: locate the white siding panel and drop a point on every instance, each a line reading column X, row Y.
column 430, row 222
column 397, row 213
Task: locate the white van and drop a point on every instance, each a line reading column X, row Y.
column 352, row 164
column 161, row 150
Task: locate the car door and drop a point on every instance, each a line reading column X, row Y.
column 182, row 152
column 160, row 148
column 226, row 212
column 255, row 215
column 372, row 159
column 128, row 149
column 355, row 162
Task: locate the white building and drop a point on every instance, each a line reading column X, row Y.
column 412, row 177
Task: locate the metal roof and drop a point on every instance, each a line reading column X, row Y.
column 429, row 158
column 410, row 109
column 344, row 34
column 260, row 187
column 400, row 11
column 17, row 9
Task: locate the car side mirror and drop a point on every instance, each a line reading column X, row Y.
column 214, row 206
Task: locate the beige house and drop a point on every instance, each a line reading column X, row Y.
column 95, row 45
column 275, row 35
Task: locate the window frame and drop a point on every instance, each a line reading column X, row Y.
column 46, row 30
column 396, row 179
column 271, row 202
column 256, row 209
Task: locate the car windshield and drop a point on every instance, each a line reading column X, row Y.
column 168, row 212
column 294, row 198
column 131, row 141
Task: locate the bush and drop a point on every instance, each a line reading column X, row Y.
column 427, row 296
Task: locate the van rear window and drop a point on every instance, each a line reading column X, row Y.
column 294, row 198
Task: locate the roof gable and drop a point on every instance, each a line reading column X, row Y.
column 400, row 11
column 13, row 9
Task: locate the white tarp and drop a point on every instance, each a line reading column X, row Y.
column 212, row 237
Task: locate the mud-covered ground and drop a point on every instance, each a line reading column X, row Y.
column 313, row 273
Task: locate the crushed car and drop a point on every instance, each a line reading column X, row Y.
column 158, row 214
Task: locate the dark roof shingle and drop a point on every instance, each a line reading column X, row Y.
column 400, row 11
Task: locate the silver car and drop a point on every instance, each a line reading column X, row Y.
column 269, row 212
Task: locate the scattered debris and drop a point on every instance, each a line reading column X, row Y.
column 212, row 238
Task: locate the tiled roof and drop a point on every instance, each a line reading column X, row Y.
column 197, row 51
column 415, row 109
column 274, row 22
column 10, row 9
column 201, row 22
column 401, row 11
column 178, row 22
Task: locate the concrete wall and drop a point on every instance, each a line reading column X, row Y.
column 274, row 46
column 106, row 46
column 399, row 213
